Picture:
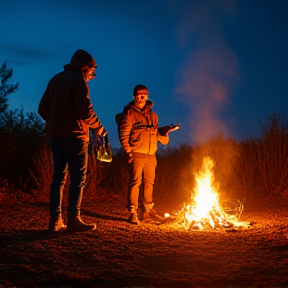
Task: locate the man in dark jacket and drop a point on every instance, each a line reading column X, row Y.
column 67, row 110
column 139, row 136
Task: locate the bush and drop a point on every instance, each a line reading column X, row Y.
column 266, row 157
column 42, row 172
column 10, row 196
column 174, row 173
column 21, row 136
column 115, row 174
column 253, row 164
column 94, row 175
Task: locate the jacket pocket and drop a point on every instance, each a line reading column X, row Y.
column 136, row 138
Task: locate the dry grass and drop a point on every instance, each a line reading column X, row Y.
column 118, row 254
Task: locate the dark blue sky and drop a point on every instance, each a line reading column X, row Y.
column 209, row 65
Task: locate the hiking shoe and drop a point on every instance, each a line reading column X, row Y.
column 75, row 224
column 133, row 219
column 151, row 215
column 56, row 224
column 146, row 217
column 155, row 215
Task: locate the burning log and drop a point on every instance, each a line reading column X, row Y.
column 205, row 211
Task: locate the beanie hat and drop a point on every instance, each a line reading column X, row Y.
column 138, row 88
column 81, row 59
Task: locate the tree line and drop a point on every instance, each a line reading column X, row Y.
column 255, row 165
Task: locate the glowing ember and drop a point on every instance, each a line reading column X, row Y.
column 205, row 211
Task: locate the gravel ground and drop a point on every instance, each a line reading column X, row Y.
column 119, row 254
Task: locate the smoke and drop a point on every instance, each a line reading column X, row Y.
column 209, row 71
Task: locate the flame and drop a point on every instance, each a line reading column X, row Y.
column 205, row 209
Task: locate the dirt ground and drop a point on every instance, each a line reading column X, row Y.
column 119, row 254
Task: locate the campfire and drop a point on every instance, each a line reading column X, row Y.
column 205, row 210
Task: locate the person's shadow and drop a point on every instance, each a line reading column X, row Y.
column 29, row 235
column 104, row 216
column 26, row 236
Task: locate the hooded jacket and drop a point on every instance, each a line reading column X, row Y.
column 138, row 132
column 65, row 105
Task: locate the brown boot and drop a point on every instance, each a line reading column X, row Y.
column 146, row 217
column 151, row 215
column 75, row 224
column 56, row 224
column 154, row 215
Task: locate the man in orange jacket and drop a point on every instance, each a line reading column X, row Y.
column 67, row 110
column 139, row 136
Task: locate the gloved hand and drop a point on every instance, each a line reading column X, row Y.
column 167, row 129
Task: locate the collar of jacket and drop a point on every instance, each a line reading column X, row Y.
column 148, row 106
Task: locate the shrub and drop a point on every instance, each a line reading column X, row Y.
column 94, row 175
column 42, row 172
column 115, row 174
column 174, row 173
column 268, row 155
column 21, row 136
column 9, row 195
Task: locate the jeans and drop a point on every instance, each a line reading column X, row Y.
column 69, row 154
column 141, row 167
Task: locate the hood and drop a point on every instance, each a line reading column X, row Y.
column 81, row 59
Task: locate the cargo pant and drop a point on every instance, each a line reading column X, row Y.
column 141, row 168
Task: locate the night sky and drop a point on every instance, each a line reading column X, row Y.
column 210, row 65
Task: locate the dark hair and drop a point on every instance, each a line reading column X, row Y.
column 138, row 88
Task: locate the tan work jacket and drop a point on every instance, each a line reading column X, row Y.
column 138, row 131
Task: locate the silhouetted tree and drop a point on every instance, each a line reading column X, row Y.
column 20, row 135
column 6, row 88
